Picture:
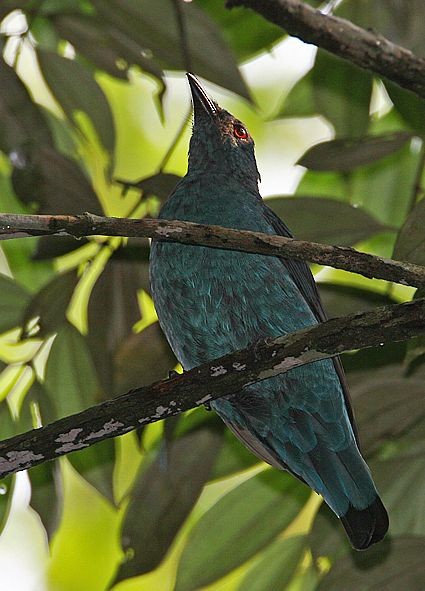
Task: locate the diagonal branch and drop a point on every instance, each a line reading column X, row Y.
column 364, row 48
column 223, row 376
column 18, row 226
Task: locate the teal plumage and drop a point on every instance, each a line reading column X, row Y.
column 211, row 302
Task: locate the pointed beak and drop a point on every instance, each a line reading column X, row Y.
column 202, row 104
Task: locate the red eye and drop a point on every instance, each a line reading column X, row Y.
column 240, row 132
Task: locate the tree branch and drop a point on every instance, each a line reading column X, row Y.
column 364, row 48
column 18, row 226
column 209, row 381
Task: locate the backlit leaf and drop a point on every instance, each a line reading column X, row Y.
column 13, row 301
column 261, row 508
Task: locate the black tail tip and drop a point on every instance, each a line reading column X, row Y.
column 367, row 526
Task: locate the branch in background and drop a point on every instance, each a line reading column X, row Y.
column 364, row 48
column 339, row 257
column 223, row 376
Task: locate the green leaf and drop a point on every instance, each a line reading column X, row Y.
column 233, row 457
column 325, row 220
column 391, row 566
column 21, row 120
column 96, row 464
column 161, row 185
column 260, row 509
column 46, row 494
column 348, row 154
column 114, row 296
column 210, row 55
column 299, row 102
column 410, row 243
column 51, row 303
column 409, row 105
column 70, row 377
column 105, row 46
column 341, row 300
column 342, row 93
column 276, row 567
column 13, row 301
column 54, row 182
column 244, row 31
column 76, row 90
column 163, row 496
column 143, row 358
column 399, row 21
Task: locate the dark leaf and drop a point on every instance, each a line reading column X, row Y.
column 70, row 376
column 50, row 247
column 341, row 300
column 161, row 185
column 76, row 90
column 261, row 508
column 105, row 46
column 401, row 480
column 112, row 312
column 410, row 107
column 347, row 154
column 54, row 182
column 277, row 565
column 143, row 358
column 394, row 565
column 20, row 119
column 233, row 457
column 342, row 94
column 7, row 429
column 325, row 220
column 153, row 24
column 410, row 243
column 51, row 303
column 327, row 536
column 399, row 21
column 244, row 31
column 46, row 494
column 13, row 301
column 163, row 496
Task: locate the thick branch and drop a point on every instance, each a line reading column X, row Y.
column 362, row 47
column 18, row 226
column 220, row 377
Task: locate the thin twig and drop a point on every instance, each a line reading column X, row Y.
column 220, row 377
column 339, row 257
column 364, row 48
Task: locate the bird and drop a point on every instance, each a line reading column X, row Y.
column 211, row 302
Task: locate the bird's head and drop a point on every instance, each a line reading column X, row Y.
column 220, row 142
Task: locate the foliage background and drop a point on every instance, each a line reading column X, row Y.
column 92, row 104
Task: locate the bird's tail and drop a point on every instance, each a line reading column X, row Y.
column 367, row 526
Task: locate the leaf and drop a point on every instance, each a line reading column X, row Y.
column 325, row 220
column 51, row 303
column 399, row 21
column 390, row 566
column 347, row 154
column 96, row 464
column 105, row 46
column 13, row 301
column 260, row 509
column 54, row 182
column 143, row 358
column 50, row 247
column 161, row 185
column 70, row 377
column 299, row 102
column 209, row 54
column 163, row 497
column 341, row 300
column 46, row 494
column 410, row 243
column 342, row 93
column 113, row 310
column 20, row 119
column 233, row 457
column 76, row 90
column 276, row 567
column 409, row 105
column 246, row 34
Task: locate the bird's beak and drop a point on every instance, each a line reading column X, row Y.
column 202, row 104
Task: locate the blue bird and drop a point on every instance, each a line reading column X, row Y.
column 211, row 302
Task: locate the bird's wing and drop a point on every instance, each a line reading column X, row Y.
column 303, row 279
